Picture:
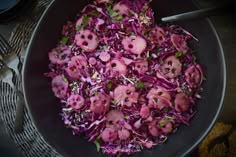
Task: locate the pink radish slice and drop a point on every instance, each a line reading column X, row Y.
column 153, row 128
column 134, row 44
column 193, row 76
column 157, row 35
column 179, row 43
column 60, row 86
column 75, row 101
column 125, row 95
column 121, row 9
column 59, row 57
column 86, row 40
column 109, row 135
column 104, row 56
column 171, row 67
column 117, row 66
column 181, row 102
column 123, row 134
column 100, row 103
column 115, row 116
column 76, row 65
column 145, row 111
column 141, row 66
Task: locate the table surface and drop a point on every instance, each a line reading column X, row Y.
column 225, row 26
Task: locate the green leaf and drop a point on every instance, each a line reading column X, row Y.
column 64, row 79
column 94, row 13
column 145, row 7
column 126, row 117
column 98, row 146
column 119, row 18
column 140, row 85
column 64, row 40
column 111, row 12
column 130, row 13
column 78, row 28
column 178, row 54
column 163, row 123
column 109, row 85
column 85, row 20
column 113, row 102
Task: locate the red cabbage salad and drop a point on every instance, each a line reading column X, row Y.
column 122, row 80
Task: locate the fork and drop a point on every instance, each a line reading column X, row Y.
column 10, row 58
column 6, row 75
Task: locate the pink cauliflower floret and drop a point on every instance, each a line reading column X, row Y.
column 158, row 98
column 100, row 103
column 157, row 35
column 134, row 44
column 109, row 135
column 76, row 65
column 125, row 95
column 145, row 111
column 171, row 67
column 86, row 40
column 59, row 57
column 75, row 101
column 141, row 66
column 60, row 86
column 181, row 102
column 179, row 43
column 193, row 75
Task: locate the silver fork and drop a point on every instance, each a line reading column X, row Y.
column 10, row 58
column 6, row 75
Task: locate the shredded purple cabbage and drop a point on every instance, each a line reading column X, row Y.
column 123, row 81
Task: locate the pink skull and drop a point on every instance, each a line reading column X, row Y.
column 75, row 101
column 153, row 128
column 157, row 35
column 134, row 44
column 179, row 43
column 171, row 67
column 59, row 57
column 145, row 111
column 166, row 125
column 123, row 134
column 158, row 98
column 60, row 86
column 181, row 102
column 104, row 56
column 121, row 9
column 141, row 66
column 117, row 66
column 109, row 135
column 76, row 65
column 100, row 103
column 193, row 75
column 86, row 40
column 125, row 95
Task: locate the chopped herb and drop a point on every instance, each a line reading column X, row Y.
column 64, row 40
column 119, row 18
column 113, row 102
column 178, row 54
column 94, row 13
column 140, row 85
column 169, row 117
column 130, row 13
column 145, row 7
column 85, row 20
column 126, row 117
column 164, row 62
column 64, row 79
column 187, row 92
column 111, row 12
column 155, row 100
column 166, row 110
column 109, row 85
column 163, row 123
column 98, row 146
column 78, row 28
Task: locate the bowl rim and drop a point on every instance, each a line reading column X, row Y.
column 202, row 136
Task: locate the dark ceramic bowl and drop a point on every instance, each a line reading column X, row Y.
column 44, row 108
